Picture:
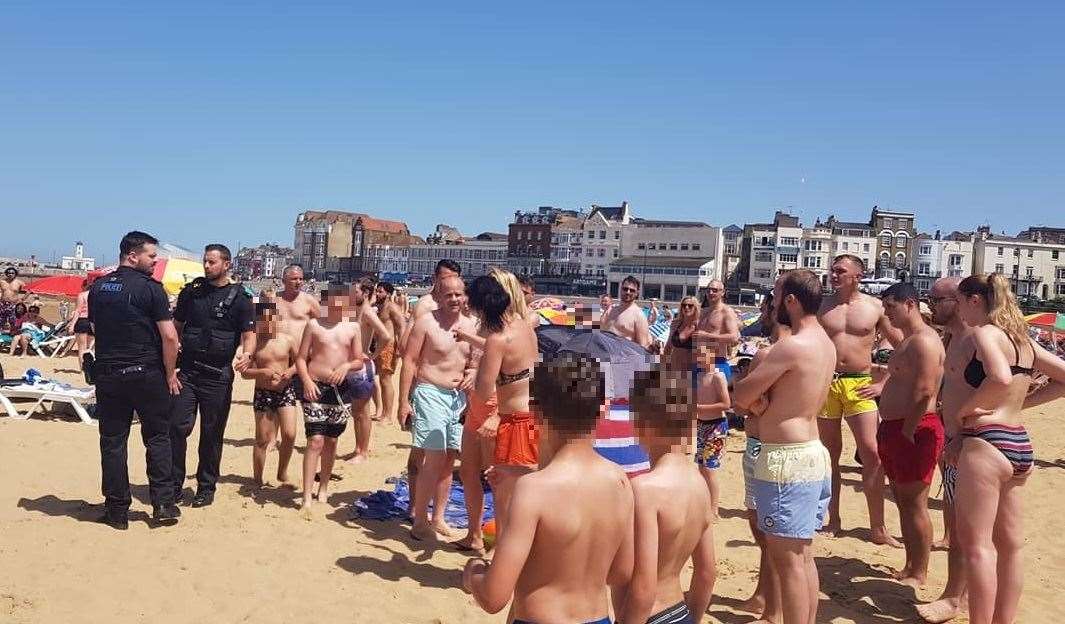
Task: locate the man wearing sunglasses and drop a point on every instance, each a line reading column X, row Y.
column 719, row 325
column 626, row 319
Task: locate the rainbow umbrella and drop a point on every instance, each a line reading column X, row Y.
column 749, row 318
column 549, row 316
column 552, row 303
column 1051, row 320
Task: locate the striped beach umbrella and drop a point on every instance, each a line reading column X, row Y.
column 1049, row 320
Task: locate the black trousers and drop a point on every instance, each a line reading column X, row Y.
column 210, row 394
column 117, row 397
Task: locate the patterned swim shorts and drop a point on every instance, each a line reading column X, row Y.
column 271, row 400
column 710, row 438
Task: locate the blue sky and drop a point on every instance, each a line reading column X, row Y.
column 198, row 122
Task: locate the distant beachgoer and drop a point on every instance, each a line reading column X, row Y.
column 626, row 319
column 82, row 328
column 11, row 293
column 679, row 348
column 388, row 356
column 720, row 326
column 711, row 427
column 375, row 335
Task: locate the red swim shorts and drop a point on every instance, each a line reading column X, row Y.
column 517, row 440
column 909, row 462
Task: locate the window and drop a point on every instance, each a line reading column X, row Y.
column 661, row 246
column 789, row 241
column 763, row 256
column 641, row 246
column 672, row 246
column 954, row 260
column 889, row 223
column 602, row 253
column 924, row 268
column 1060, row 289
column 811, row 262
column 1017, row 252
column 999, row 268
column 602, row 234
column 926, row 250
column 617, row 234
column 789, row 257
column 695, row 246
column 900, row 241
column 865, row 247
column 885, row 240
column 812, row 245
column 846, row 246
column 615, row 253
column 763, row 274
column 1054, row 254
column 1029, row 271
column 730, row 249
column 684, row 246
column 1000, row 251
column 1030, row 253
column 922, row 285
column 1060, row 273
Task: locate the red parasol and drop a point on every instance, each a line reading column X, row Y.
column 63, row 285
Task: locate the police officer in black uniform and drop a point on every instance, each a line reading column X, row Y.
column 136, row 351
column 214, row 316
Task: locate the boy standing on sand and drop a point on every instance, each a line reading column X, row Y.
column 711, row 427
column 554, row 560
column 273, row 365
column 674, row 521
column 330, row 350
column 791, row 481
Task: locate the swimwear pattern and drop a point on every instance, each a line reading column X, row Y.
column 266, row 400
column 710, row 442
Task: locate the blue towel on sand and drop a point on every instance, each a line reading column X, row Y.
column 383, row 505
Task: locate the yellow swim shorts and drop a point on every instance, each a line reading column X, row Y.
column 843, row 400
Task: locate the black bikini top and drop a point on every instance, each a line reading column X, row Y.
column 975, row 373
column 506, row 379
column 681, row 344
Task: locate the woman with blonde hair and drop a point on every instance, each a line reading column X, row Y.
column 519, row 306
column 992, row 453
column 679, row 346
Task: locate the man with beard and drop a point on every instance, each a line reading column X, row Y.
column 136, row 350
column 626, row 319
column 852, row 320
column 791, row 475
column 214, row 316
column 719, row 325
column 373, row 331
column 387, row 358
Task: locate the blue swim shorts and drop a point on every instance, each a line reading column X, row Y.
column 754, row 448
column 792, row 486
column 437, row 413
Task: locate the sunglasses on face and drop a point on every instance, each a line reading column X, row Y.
column 687, row 305
column 628, row 290
column 713, row 290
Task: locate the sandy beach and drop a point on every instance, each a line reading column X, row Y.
column 251, row 558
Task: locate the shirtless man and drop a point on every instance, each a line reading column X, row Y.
column 428, row 302
column 331, row 349
column 556, row 561
column 273, row 366
column 910, row 437
column 294, row 306
column 674, row 521
column 720, row 326
column 852, row 320
column 387, row 357
column 373, row 331
column 11, row 293
column 439, row 364
column 792, row 474
column 605, row 303
column 943, row 299
column 626, row 319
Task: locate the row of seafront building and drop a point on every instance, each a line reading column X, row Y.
column 590, row 251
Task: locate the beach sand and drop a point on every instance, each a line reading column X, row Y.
column 251, row 558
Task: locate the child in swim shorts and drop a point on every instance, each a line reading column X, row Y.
column 711, row 427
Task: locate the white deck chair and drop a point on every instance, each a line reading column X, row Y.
column 52, row 391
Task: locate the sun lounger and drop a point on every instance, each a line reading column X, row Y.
column 52, row 391
column 50, row 343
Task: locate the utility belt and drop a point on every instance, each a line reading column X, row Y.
column 123, row 372
column 203, row 368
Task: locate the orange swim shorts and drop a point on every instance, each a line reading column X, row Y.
column 386, row 359
column 477, row 411
column 517, row 440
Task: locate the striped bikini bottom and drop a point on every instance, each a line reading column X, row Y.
column 1012, row 442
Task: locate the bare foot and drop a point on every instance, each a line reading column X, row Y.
column 468, row 544
column 359, row 458
column 306, row 512
column 444, row 529
column 422, row 532
column 755, row 604
column 942, row 610
column 266, row 484
column 898, row 575
column 912, row 581
column 943, row 543
column 283, row 482
column 881, row 537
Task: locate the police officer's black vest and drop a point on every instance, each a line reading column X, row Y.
column 215, row 344
column 125, row 333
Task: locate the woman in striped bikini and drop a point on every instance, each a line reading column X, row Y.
column 993, row 453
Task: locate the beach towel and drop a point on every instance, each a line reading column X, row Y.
column 385, row 505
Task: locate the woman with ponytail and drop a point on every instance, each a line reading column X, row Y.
column 992, row 453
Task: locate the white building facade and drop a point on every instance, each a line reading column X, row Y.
column 934, row 257
column 601, row 238
column 665, row 278
column 78, row 262
column 672, row 239
column 1035, row 269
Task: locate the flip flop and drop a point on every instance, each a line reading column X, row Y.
column 332, row 477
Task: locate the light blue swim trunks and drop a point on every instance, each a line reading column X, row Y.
column 437, row 414
column 792, row 484
column 750, row 454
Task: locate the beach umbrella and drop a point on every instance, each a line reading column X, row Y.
column 620, row 359
column 1051, row 320
column 555, row 317
column 172, row 272
column 62, row 285
column 749, row 318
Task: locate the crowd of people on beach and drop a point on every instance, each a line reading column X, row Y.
column 461, row 370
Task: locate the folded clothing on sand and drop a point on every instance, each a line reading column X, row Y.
column 384, row 505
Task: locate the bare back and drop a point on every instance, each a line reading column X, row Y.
column 331, row 346
column 574, row 547
column 851, row 325
column 510, row 352
column 675, row 498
